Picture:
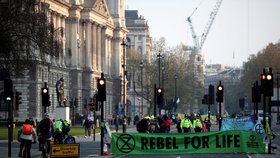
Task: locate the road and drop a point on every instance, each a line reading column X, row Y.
column 90, row 148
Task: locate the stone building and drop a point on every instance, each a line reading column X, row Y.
column 140, row 41
column 91, row 32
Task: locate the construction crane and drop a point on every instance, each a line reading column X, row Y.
column 198, row 45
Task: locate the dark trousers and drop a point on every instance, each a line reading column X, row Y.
column 26, row 144
column 197, row 129
column 186, row 130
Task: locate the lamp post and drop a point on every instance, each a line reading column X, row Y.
column 175, row 92
column 142, row 66
column 277, row 82
column 163, row 73
column 159, row 56
column 123, row 44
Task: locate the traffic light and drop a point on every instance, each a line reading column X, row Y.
column 211, row 94
column 45, row 96
column 267, row 83
column 256, row 93
column 101, row 86
column 159, row 96
column 205, row 99
column 8, row 90
column 220, row 93
column 18, row 99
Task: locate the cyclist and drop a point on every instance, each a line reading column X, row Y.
column 26, row 137
column 57, row 135
column 45, row 131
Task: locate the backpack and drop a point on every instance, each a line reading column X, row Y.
column 45, row 126
column 57, row 126
column 26, row 129
column 65, row 126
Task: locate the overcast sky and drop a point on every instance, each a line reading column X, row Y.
column 241, row 27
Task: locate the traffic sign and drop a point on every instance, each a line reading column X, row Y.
column 65, row 150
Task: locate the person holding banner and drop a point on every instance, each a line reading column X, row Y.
column 197, row 124
column 207, row 123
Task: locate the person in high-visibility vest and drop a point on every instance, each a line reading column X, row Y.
column 197, row 124
column 186, row 124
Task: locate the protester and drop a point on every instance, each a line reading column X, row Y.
column 207, row 123
column 143, row 126
column 45, row 133
column 186, row 124
column 26, row 137
column 178, row 125
column 161, row 124
column 167, row 123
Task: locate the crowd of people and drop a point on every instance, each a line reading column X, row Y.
column 44, row 132
column 149, row 124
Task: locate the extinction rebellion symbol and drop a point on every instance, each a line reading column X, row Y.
column 125, row 143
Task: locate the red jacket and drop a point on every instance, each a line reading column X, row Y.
column 167, row 124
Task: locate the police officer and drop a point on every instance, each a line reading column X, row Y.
column 197, row 124
column 186, row 124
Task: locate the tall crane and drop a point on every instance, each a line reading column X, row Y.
column 198, row 45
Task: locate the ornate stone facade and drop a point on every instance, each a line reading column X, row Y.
column 91, row 38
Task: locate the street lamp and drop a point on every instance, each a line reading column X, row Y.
column 123, row 44
column 142, row 66
column 175, row 90
column 277, row 82
column 163, row 72
column 159, row 56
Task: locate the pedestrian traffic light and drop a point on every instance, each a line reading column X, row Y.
column 159, row 96
column 101, row 86
column 18, row 99
column 220, row 93
column 45, row 96
column 8, row 90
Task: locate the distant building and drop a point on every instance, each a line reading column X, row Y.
column 230, row 77
column 138, row 40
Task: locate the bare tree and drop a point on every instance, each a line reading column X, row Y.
column 26, row 35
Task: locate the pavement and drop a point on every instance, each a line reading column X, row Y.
column 275, row 153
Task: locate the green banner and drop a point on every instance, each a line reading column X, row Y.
column 180, row 143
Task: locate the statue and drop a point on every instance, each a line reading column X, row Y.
column 60, row 91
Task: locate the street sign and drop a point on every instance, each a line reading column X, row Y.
column 65, row 150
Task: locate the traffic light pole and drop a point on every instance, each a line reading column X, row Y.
column 102, row 127
column 269, row 122
column 220, row 116
column 124, row 91
column 10, row 128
